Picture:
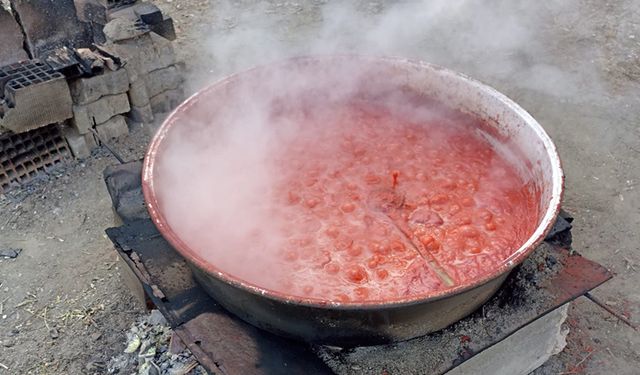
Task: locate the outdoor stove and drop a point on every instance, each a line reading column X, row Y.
column 515, row 332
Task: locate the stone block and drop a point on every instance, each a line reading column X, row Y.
column 142, row 114
column 101, row 110
column 138, row 94
column 156, row 52
column 161, row 80
column 166, row 101
column 80, row 144
column 12, row 40
column 115, row 127
column 87, row 90
column 48, row 25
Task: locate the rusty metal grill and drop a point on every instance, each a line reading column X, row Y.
column 23, row 156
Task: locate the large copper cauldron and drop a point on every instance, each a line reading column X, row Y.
column 345, row 324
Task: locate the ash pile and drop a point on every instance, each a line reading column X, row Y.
column 152, row 349
column 93, row 70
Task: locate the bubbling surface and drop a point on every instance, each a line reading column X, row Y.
column 367, row 205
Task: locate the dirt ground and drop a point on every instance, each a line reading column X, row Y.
column 64, row 310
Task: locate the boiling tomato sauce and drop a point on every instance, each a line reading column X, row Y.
column 377, row 207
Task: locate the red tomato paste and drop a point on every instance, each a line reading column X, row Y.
column 363, row 204
column 381, row 208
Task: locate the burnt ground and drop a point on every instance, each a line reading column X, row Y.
column 575, row 68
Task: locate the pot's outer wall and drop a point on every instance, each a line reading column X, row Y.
column 346, row 327
column 508, row 127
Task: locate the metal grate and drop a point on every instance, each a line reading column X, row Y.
column 23, row 156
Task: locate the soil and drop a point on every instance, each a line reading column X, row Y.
column 64, row 309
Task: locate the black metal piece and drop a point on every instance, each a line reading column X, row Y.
column 23, row 156
column 165, row 28
column 149, row 13
column 123, row 184
column 560, row 233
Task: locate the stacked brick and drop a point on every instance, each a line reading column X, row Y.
column 155, row 76
column 101, row 103
column 128, row 71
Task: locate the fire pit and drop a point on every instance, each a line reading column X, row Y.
column 233, row 183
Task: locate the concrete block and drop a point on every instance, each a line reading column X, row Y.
column 142, row 114
column 12, row 40
column 80, row 144
column 115, row 127
column 101, row 110
column 166, row 101
column 34, row 97
column 87, row 90
column 138, row 94
column 161, row 80
column 522, row 352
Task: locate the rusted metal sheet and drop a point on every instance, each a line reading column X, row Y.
column 578, row 276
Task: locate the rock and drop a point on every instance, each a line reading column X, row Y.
column 7, row 343
column 10, row 253
column 53, row 333
column 156, row 318
column 121, row 29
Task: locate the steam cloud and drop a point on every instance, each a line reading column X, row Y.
column 217, row 177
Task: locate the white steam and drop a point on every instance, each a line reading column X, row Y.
column 219, row 172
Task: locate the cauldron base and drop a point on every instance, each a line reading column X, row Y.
column 532, row 300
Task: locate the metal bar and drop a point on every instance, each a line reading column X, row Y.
column 608, row 309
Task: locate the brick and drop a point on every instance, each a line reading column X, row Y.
column 115, row 127
column 11, row 42
column 138, row 94
column 80, row 144
column 166, row 101
column 87, row 90
column 142, row 114
column 34, row 95
column 101, row 110
column 161, row 80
